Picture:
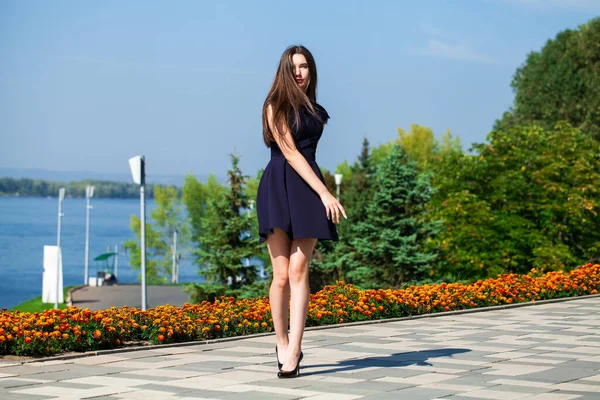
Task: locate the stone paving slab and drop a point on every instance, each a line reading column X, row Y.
column 542, row 352
column 103, row 297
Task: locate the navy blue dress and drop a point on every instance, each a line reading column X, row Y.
column 284, row 200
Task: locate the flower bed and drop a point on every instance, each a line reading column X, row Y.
column 75, row 329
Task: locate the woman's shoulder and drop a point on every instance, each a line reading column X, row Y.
column 321, row 111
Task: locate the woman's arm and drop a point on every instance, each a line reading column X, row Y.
column 298, row 162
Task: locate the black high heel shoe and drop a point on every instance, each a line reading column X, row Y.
column 291, row 374
column 279, row 365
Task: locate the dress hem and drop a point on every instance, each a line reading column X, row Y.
column 263, row 236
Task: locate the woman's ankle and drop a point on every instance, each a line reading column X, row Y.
column 294, row 350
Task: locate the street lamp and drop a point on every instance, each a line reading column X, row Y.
column 248, row 212
column 61, row 197
column 138, row 171
column 338, row 182
column 89, row 193
column 175, row 268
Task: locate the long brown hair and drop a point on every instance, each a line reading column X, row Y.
column 286, row 96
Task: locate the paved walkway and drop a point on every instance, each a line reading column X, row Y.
column 542, row 352
column 103, row 297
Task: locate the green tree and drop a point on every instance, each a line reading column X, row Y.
column 420, row 144
column 155, row 247
column 379, row 153
column 346, row 171
column 358, row 189
column 527, row 199
column 560, row 82
column 252, row 191
column 195, row 196
column 330, row 261
column 448, row 146
column 226, row 239
column 390, row 242
column 167, row 217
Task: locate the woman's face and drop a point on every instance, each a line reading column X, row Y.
column 301, row 71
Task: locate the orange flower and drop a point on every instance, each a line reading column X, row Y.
column 345, row 302
column 160, row 338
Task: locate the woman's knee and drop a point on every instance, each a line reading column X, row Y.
column 298, row 271
column 280, row 281
column 302, row 250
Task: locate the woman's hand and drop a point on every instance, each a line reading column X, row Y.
column 333, row 207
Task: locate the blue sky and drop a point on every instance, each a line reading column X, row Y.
column 86, row 85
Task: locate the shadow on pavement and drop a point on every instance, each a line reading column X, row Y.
column 76, row 302
column 394, row 360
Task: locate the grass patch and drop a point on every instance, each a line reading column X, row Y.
column 36, row 305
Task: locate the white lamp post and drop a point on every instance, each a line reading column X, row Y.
column 89, row 193
column 116, row 270
column 138, row 171
column 338, row 182
column 61, row 197
column 175, row 272
column 248, row 212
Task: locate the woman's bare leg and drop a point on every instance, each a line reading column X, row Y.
column 279, row 246
column 300, row 256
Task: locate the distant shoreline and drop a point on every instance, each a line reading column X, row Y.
column 33, row 196
column 25, row 187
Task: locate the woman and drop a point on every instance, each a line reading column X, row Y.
column 293, row 204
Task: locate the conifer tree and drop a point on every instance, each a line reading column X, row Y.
column 226, row 242
column 389, row 244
